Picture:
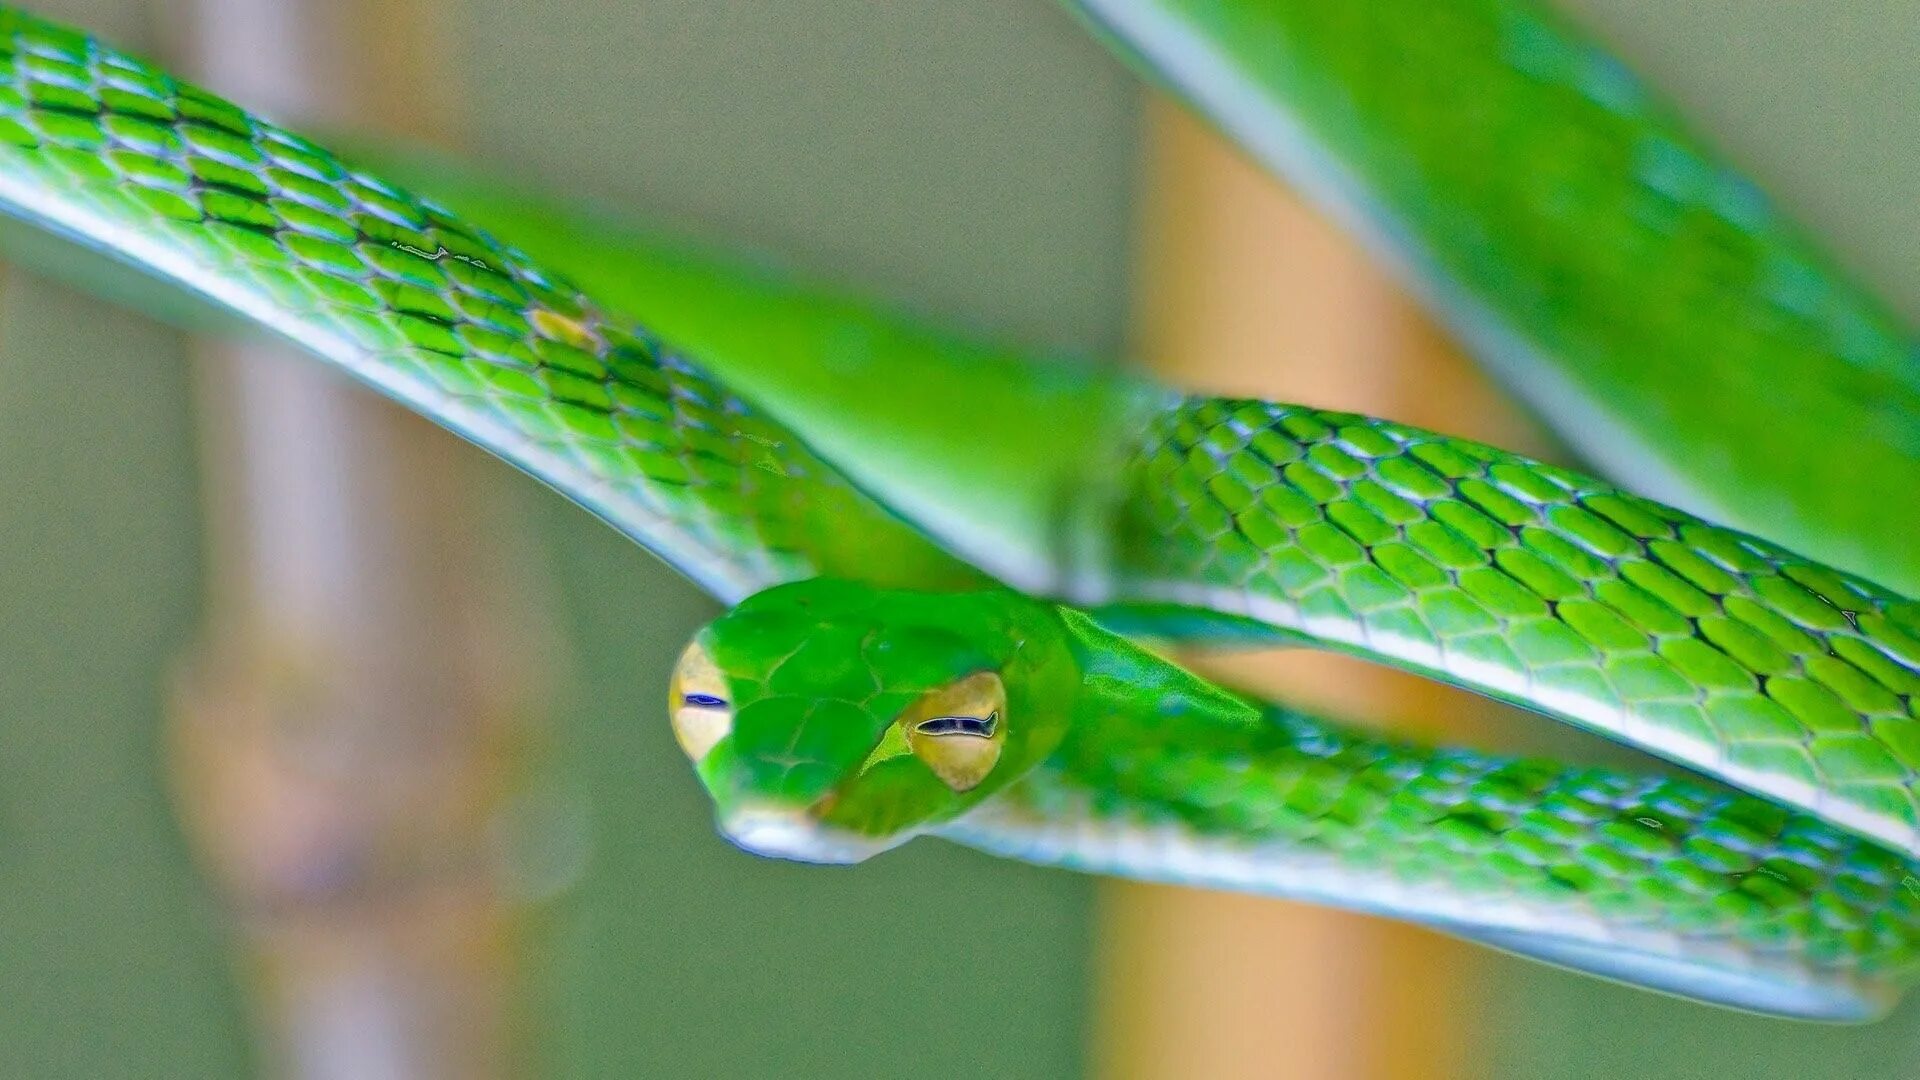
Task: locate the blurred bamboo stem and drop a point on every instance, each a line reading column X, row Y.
column 342, row 746
column 1248, row 292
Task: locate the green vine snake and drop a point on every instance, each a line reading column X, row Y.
column 872, row 685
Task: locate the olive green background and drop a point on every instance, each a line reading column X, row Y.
column 972, row 159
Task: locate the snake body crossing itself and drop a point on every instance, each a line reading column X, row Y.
column 872, row 685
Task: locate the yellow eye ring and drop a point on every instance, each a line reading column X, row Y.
column 957, row 730
column 697, row 701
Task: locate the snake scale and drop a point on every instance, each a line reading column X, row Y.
column 871, row 685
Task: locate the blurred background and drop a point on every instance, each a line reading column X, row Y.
column 329, row 748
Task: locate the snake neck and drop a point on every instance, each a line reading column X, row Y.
column 1661, row 882
column 1124, row 684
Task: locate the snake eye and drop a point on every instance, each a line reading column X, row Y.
column 697, row 699
column 956, row 730
column 960, row 725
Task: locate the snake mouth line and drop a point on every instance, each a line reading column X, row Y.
column 782, row 833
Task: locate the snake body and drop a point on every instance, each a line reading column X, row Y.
column 1119, row 762
column 1600, row 257
column 1540, row 586
column 394, row 290
column 1523, row 581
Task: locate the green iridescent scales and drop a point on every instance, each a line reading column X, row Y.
column 1641, row 850
column 1541, row 586
column 1598, row 255
column 436, row 314
column 1639, row 855
column 1517, row 579
column 1121, row 762
column 1655, row 862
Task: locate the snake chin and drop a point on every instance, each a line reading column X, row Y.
column 791, row 834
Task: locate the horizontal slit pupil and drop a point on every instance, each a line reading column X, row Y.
column 959, row 725
column 705, row 701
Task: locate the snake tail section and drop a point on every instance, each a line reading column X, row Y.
column 395, row 290
column 1538, row 586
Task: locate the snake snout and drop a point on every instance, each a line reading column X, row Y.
column 793, row 833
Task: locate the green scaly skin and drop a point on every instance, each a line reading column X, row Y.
column 1119, row 762
column 1732, row 657
column 1648, row 300
column 109, row 152
column 1539, row 586
column 432, row 312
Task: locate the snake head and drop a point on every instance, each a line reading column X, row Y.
column 830, row 720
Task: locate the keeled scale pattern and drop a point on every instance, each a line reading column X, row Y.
column 392, row 288
column 1589, row 244
column 1119, row 761
column 1540, row 586
column 1663, row 868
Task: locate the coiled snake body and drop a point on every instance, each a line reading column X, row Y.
column 873, row 686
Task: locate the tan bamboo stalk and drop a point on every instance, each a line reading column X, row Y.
column 1247, row 291
column 343, row 742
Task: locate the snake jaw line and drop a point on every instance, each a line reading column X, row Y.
column 797, row 835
